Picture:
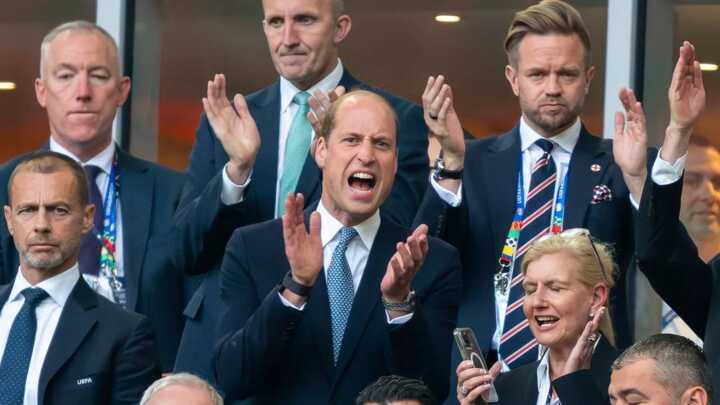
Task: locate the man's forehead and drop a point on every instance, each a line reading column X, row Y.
column 82, row 46
column 58, row 185
column 293, row 7
column 703, row 158
column 368, row 111
column 536, row 48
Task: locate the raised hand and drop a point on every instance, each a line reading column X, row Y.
column 630, row 142
column 687, row 92
column 474, row 383
column 443, row 122
column 302, row 248
column 404, row 264
column 234, row 127
column 581, row 355
column 319, row 104
column 686, row 96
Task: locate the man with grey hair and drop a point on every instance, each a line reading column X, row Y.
column 662, row 369
column 181, row 388
column 125, row 255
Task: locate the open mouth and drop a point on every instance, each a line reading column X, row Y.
column 362, row 181
column 546, row 321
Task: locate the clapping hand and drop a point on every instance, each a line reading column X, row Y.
column 234, row 127
column 630, row 143
column 403, row 266
column 302, row 248
column 443, row 122
column 319, row 104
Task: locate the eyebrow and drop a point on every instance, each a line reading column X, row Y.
column 630, row 391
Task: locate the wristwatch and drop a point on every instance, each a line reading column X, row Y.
column 440, row 172
column 292, row 285
column 408, row 305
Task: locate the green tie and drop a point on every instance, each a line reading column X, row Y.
column 297, row 146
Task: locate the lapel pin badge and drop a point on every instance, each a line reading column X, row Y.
column 595, row 167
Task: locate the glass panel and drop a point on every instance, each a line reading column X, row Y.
column 22, row 26
column 394, row 45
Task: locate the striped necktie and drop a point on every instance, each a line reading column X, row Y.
column 517, row 344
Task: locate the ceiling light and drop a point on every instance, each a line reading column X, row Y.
column 447, row 18
column 708, row 67
column 7, row 86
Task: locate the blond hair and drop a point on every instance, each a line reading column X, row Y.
column 544, row 18
column 593, row 268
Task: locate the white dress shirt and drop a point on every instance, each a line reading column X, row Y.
column 357, row 252
column 48, row 314
column 103, row 160
column 233, row 193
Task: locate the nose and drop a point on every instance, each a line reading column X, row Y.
column 552, row 86
column 366, row 153
column 42, row 223
column 83, row 87
column 708, row 190
column 290, row 37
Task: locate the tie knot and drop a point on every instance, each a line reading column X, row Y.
column 346, row 235
column 301, row 98
column 33, row 296
column 91, row 171
column 545, row 145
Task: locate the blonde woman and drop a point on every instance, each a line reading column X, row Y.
column 567, row 281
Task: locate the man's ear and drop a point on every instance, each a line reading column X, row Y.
column 88, row 214
column 589, row 75
column 7, row 210
column 40, row 91
column 694, row 396
column 511, row 76
column 320, row 151
column 342, row 28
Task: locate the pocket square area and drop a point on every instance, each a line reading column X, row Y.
column 601, row 193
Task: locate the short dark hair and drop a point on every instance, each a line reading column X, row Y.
column 679, row 363
column 391, row 388
column 544, row 18
column 47, row 162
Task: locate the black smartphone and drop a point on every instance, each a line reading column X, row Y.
column 470, row 350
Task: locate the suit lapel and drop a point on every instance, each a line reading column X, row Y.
column 136, row 201
column 501, row 192
column 76, row 320
column 587, row 165
column 265, row 109
column 368, row 295
column 5, row 294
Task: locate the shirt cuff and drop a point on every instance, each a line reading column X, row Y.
column 290, row 304
column 453, row 199
column 664, row 172
column 400, row 320
column 232, row 193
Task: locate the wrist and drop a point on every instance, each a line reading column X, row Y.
column 239, row 172
column 675, row 144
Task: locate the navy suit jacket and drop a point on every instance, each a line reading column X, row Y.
column 201, row 205
column 670, row 260
column 583, row 387
column 275, row 354
column 479, row 226
column 149, row 194
column 99, row 354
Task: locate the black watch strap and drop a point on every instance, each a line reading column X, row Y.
column 294, row 286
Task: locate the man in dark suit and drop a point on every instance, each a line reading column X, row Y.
column 81, row 88
column 314, row 317
column 234, row 178
column 665, row 252
column 545, row 175
column 60, row 341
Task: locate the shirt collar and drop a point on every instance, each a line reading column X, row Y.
column 330, row 226
column 326, row 85
column 566, row 139
column 103, row 160
column 58, row 287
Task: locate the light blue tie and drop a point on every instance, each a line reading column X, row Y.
column 340, row 289
column 297, row 146
column 18, row 349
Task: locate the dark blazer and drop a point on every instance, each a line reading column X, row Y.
column 100, row 353
column 201, row 205
column 584, row 387
column 149, row 194
column 670, row 260
column 479, row 226
column 275, row 354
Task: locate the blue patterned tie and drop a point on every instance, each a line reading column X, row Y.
column 517, row 344
column 19, row 348
column 340, row 289
column 89, row 259
column 297, row 146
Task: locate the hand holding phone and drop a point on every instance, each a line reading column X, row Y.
column 470, row 350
